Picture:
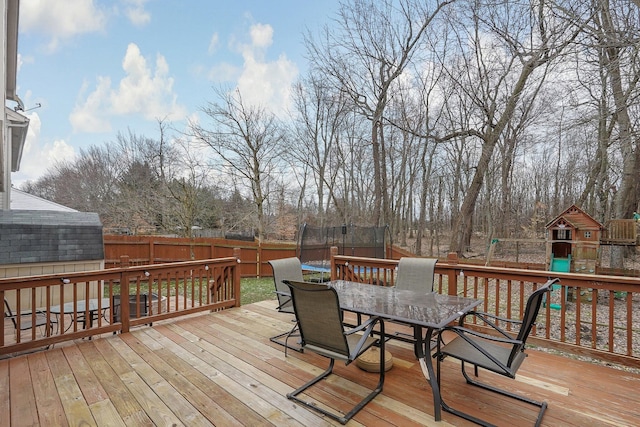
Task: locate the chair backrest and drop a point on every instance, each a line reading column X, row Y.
column 285, row 269
column 416, row 273
column 317, row 310
column 529, row 318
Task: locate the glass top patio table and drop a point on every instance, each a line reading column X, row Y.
column 426, row 309
column 81, row 307
column 422, row 310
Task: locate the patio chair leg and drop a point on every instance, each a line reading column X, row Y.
column 469, row 417
column 541, row 405
column 345, row 418
column 292, row 333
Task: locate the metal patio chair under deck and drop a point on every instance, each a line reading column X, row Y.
column 28, row 319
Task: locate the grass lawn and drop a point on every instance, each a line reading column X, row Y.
column 254, row 290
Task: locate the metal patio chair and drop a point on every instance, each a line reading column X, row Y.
column 286, row 269
column 28, row 319
column 415, row 274
column 317, row 309
column 502, row 352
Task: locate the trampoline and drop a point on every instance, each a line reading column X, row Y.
column 314, row 244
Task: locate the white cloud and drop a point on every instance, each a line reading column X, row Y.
column 141, row 91
column 261, row 82
column 213, row 43
column 59, row 20
column 37, row 157
column 90, row 115
column 136, row 13
column 261, row 35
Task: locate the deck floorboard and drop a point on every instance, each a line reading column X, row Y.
column 221, row 369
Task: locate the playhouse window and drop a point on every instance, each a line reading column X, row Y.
column 587, row 234
column 563, row 234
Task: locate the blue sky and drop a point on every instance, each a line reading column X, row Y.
column 102, row 67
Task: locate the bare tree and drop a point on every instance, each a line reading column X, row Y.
column 189, row 189
column 364, row 54
column 508, row 45
column 87, row 183
column 617, row 36
column 319, row 127
column 247, row 143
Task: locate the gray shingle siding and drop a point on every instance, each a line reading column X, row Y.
column 48, row 236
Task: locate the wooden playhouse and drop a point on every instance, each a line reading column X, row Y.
column 573, row 242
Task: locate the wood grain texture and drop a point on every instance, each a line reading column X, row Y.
column 221, row 369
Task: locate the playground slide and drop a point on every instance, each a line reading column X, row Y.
column 562, row 265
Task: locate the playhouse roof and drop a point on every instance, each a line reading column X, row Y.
column 576, row 218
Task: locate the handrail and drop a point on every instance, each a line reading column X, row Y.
column 82, row 304
column 586, row 314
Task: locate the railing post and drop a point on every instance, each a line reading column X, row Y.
column 333, row 251
column 236, row 276
column 124, row 261
column 124, row 296
column 452, row 280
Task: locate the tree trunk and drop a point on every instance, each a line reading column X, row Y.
column 626, row 198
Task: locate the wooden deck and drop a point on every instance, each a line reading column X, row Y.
column 221, row 369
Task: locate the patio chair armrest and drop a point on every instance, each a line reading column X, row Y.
column 362, row 326
column 492, row 321
column 368, row 331
column 485, row 316
column 461, row 331
column 283, row 294
column 40, row 311
column 26, row 313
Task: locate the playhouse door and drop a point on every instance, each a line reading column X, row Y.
column 561, row 249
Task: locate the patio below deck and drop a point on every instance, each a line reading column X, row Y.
column 221, row 369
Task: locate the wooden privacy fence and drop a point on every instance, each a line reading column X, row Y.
column 591, row 315
column 77, row 305
column 145, row 250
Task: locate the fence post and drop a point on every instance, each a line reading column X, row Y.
column 152, row 254
column 333, row 251
column 452, row 280
column 259, row 260
column 236, row 276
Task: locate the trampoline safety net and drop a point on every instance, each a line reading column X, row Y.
column 314, row 243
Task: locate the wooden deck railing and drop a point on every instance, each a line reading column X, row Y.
column 590, row 315
column 122, row 297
